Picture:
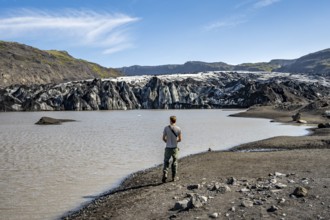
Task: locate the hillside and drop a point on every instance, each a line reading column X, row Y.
column 22, row 64
column 314, row 63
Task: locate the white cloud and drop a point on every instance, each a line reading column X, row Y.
column 246, row 8
column 117, row 48
column 264, row 3
column 232, row 22
column 76, row 27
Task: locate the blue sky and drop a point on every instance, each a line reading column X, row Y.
column 116, row 33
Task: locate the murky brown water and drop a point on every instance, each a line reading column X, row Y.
column 48, row 170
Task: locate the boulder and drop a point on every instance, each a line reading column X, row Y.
column 183, row 204
column 198, row 201
column 300, row 191
column 51, row 121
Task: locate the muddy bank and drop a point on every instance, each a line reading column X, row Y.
column 257, row 192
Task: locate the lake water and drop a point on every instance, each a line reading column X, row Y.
column 48, row 170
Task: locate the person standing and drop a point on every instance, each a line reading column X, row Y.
column 171, row 136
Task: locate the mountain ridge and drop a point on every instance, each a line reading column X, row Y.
column 313, row 63
column 26, row 65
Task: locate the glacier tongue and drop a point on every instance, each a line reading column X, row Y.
column 176, row 91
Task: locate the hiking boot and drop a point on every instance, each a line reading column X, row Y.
column 164, row 178
column 175, row 178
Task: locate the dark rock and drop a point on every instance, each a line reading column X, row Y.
column 323, row 125
column 195, row 186
column 183, row 204
column 296, row 117
column 173, row 216
column 231, row 181
column 51, row 121
column 300, row 191
column 272, row 209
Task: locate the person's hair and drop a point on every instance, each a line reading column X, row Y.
column 173, row 119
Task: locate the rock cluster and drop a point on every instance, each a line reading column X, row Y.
column 270, row 194
column 203, row 90
column 323, row 125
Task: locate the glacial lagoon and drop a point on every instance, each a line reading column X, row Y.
column 49, row 170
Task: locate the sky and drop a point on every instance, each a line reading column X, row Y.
column 117, row 33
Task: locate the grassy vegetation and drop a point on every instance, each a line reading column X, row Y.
column 257, row 66
column 62, row 56
column 2, row 44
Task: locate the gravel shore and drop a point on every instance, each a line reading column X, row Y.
column 276, row 178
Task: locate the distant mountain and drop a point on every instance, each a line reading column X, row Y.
column 314, row 63
column 188, row 67
column 194, row 66
column 22, row 64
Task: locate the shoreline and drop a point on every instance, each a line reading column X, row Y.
column 135, row 185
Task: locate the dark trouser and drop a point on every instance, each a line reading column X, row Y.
column 174, row 153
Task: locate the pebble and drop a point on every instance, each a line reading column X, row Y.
column 247, row 203
column 233, row 209
column 214, row 215
column 258, row 202
column 280, row 174
column 281, row 201
column 244, row 190
column 273, row 180
column 280, row 185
